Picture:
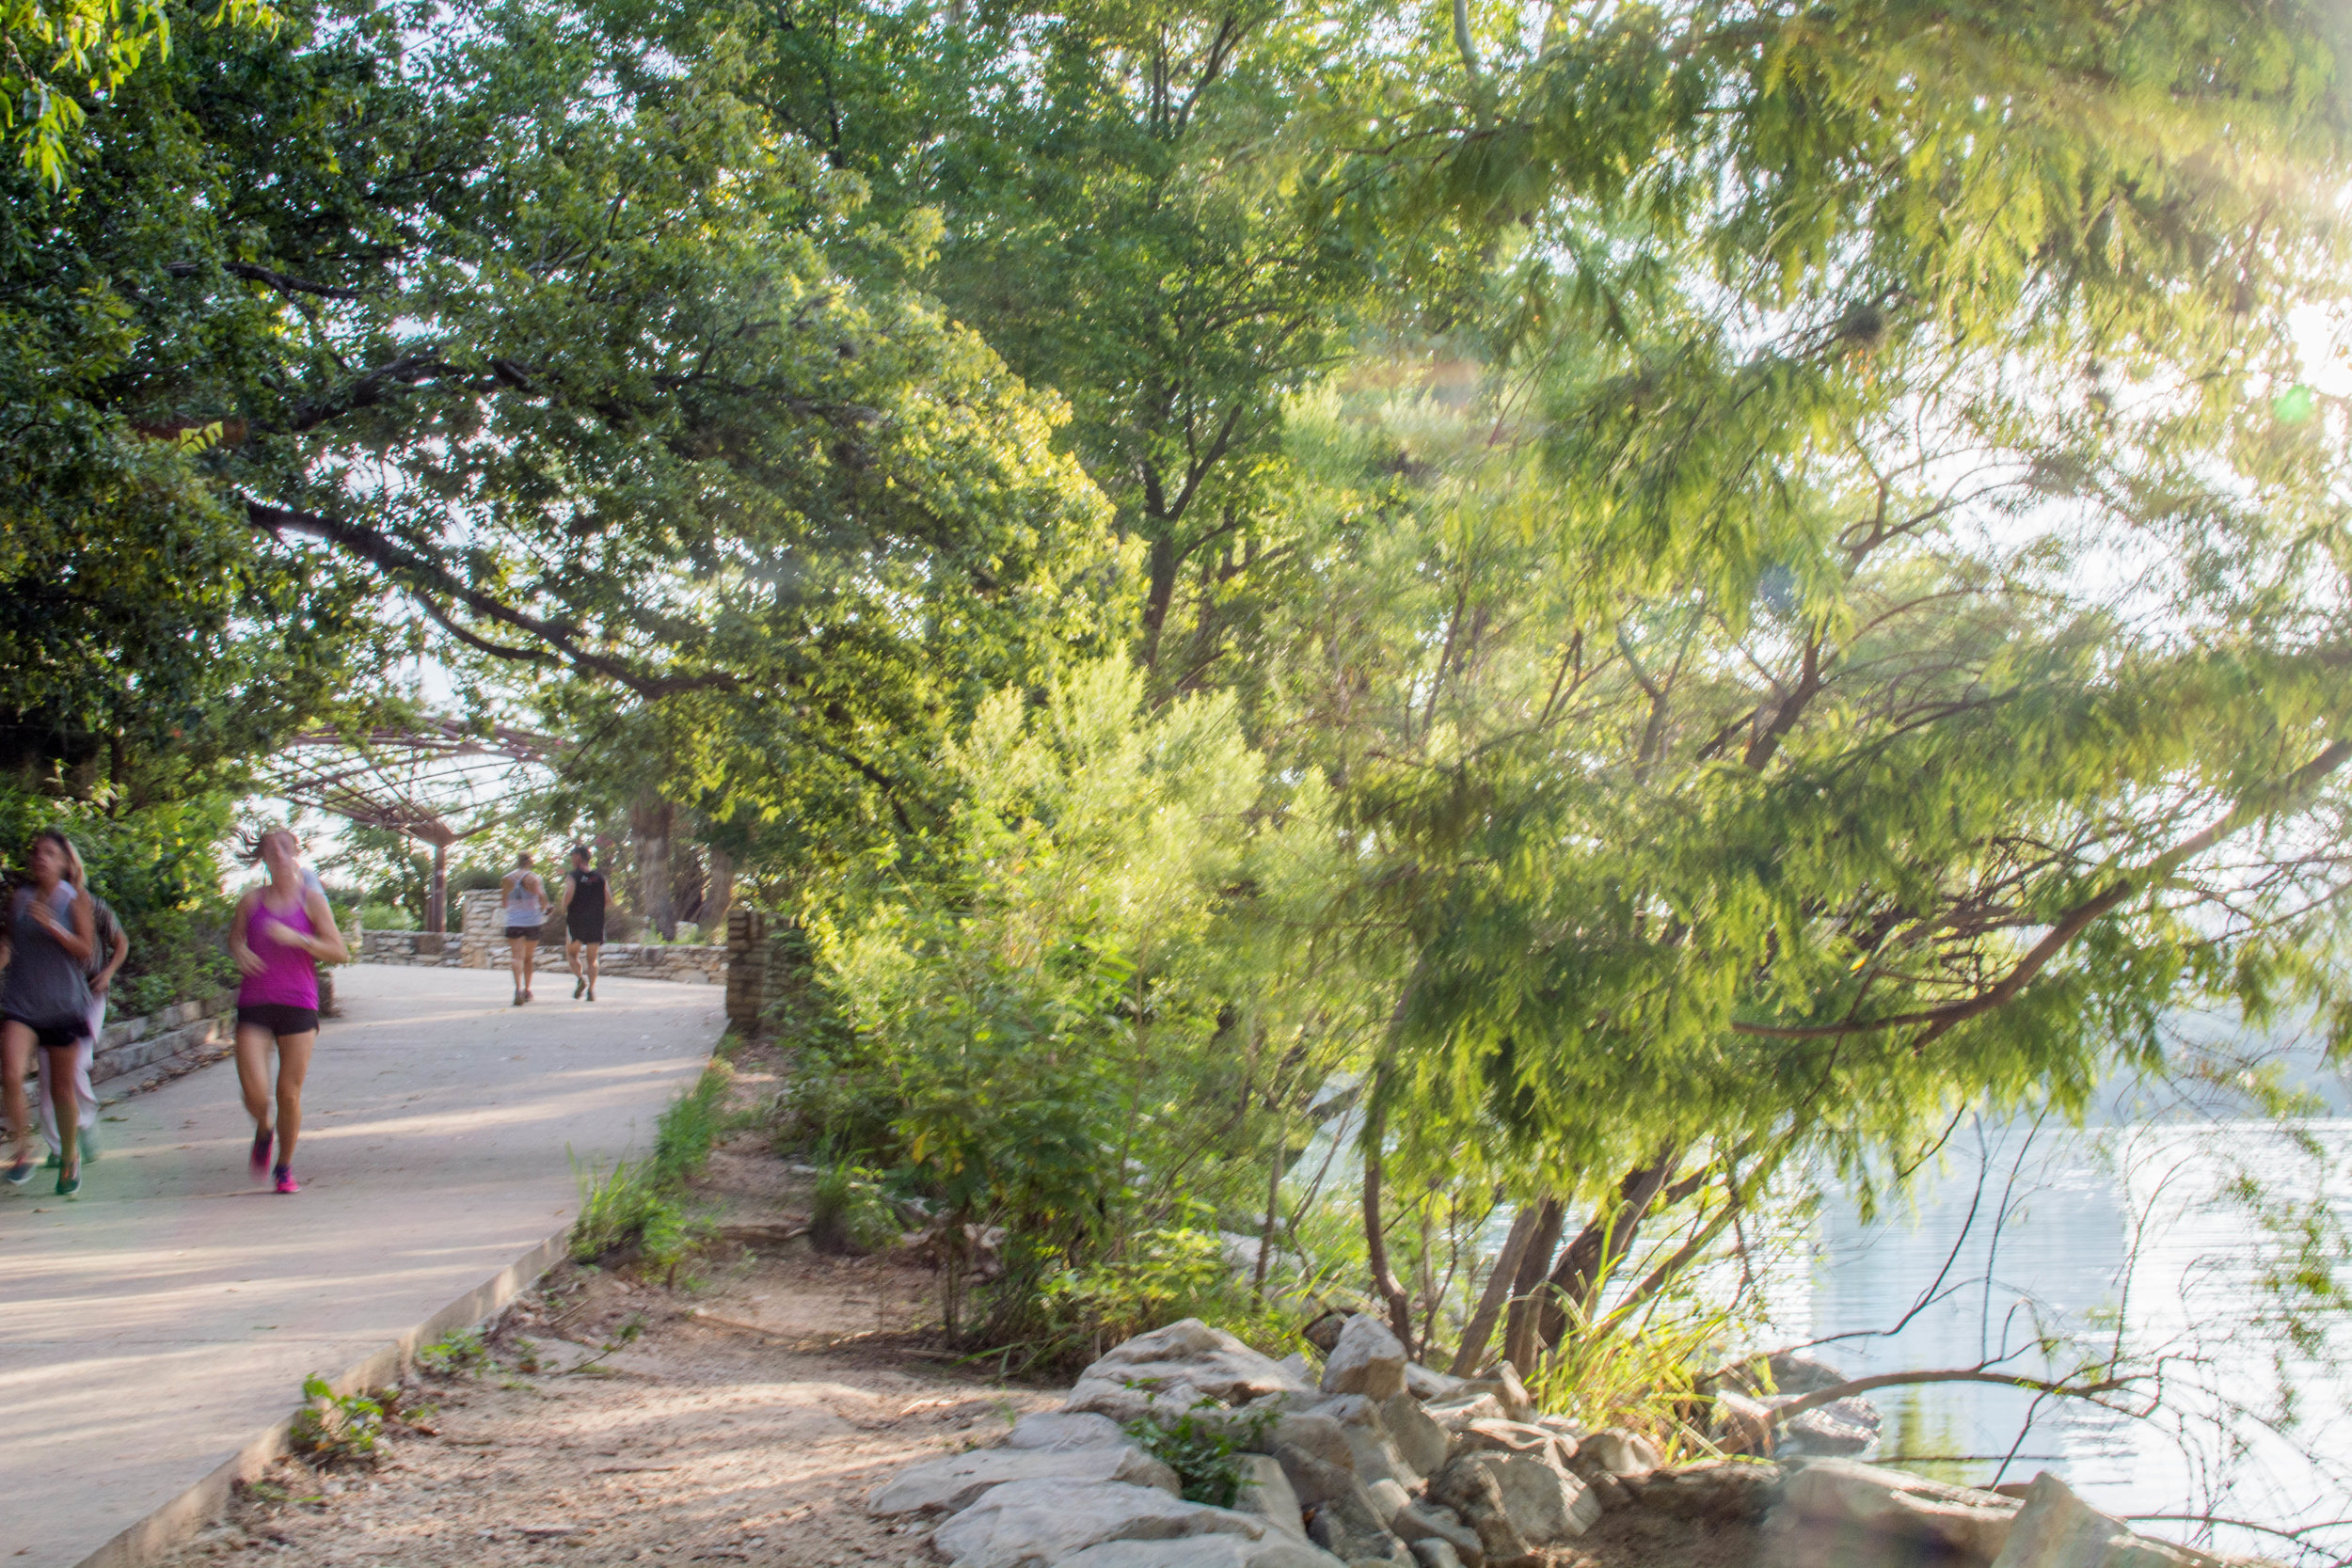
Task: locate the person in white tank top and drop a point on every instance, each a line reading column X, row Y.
column 526, row 907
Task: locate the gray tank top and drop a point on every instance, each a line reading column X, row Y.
column 46, row 985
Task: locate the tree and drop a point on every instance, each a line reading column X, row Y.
column 1885, row 652
column 566, row 370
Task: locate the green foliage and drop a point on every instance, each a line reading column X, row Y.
column 1205, row 1454
column 1046, row 1020
column 639, row 1210
column 456, row 1353
column 849, row 1214
column 334, row 1428
column 1157, row 1278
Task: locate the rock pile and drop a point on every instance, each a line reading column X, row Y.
column 1378, row 1461
column 1374, row 1460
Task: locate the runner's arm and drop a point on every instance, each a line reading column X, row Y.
column 327, row 948
column 105, row 977
column 249, row 961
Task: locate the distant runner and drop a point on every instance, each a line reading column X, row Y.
column 50, row 935
column 584, row 920
column 114, row 945
column 526, row 910
column 280, row 933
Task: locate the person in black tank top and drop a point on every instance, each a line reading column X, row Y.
column 583, row 922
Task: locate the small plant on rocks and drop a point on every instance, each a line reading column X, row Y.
column 334, row 1428
column 1205, row 1454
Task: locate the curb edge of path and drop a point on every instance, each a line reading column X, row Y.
column 180, row 1519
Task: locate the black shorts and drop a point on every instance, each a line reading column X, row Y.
column 279, row 1018
column 522, row 933
column 57, row 1035
column 585, row 930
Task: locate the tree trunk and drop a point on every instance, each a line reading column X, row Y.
column 1518, row 1328
column 436, row 898
column 1375, row 1236
column 1500, row 1284
column 718, row 896
column 649, row 822
column 1586, row 1265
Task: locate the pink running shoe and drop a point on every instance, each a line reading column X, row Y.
column 260, row 1151
column 286, row 1184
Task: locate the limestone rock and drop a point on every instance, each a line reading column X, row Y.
column 1366, row 1359
column 1511, row 1437
column 1620, row 1453
column 1124, row 1403
column 1387, row 1497
column 1319, row 1436
column 1203, row 1551
column 1325, row 1331
column 1057, row 1429
column 1191, row 1353
column 1351, row 1532
column 1294, row 1364
column 1836, row 1508
column 958, row 1481
column 1430, row 1552
column 1047, row 1520
column 1423, row 1442
column 1471, row 1491
column 1504, row 1385
column 1314, row 1480
column 1545, row 1502
column 1722, row 1491
column 1455, row 1414
column 1842, row 1428
column 1374, row 1453
column 1266, row 1493
column 1425, row 1383
column 1418, row 1522
column 1796, row 1372
column 2057, row 1530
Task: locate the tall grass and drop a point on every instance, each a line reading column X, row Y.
column 636, row 1210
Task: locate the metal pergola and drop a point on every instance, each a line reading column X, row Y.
column 439, row 784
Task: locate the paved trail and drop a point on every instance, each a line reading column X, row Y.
column 156, row 1326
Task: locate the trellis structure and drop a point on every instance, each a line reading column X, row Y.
column 428, row 782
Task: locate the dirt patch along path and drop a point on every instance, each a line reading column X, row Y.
column 740, row 1412
column 695, row 1441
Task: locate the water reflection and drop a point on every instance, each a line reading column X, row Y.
column 2043, row 1249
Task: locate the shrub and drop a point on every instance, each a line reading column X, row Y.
column 849, row 1214
column 332, row 1427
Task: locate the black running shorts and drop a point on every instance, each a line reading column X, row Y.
column 590, row 930
column 279, row 1018
column 56, row 1035
column 522, row 933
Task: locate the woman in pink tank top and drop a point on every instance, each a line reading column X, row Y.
column 282, row 930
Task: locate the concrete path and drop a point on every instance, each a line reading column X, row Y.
column 162, row 1323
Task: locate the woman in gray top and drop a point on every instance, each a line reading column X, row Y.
column 50, row 934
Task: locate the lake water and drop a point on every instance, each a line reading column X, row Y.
column 2043, row 1246
column 2050, row 1245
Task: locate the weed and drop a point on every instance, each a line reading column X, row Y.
column 1206, row 1455
column 635, row 1206
column 456, row 1353
column 334, row 1427
column 848, row 1212
column 268, row 1493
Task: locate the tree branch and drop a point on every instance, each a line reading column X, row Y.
column 1937, row 1020
column 282, row 282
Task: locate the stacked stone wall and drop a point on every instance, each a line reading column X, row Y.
column 480, row 943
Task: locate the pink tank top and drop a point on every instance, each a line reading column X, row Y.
column 290, row 977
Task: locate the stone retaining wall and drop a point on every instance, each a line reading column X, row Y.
column 480, row 943
column 132, row 1043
